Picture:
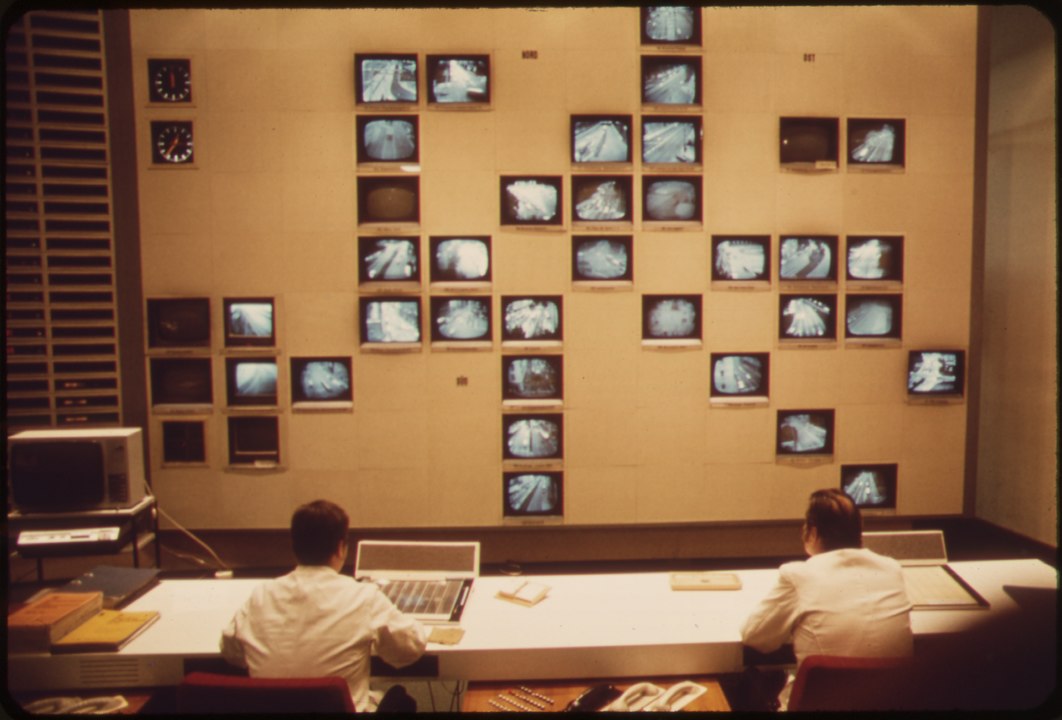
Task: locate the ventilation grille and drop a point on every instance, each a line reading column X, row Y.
column 62, row 343
column 109, row 672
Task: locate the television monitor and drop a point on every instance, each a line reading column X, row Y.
column 388, row 140
column 936, row 374
column 458, row 80
column 872, row 487
column 741, row 261
column 603, row 261
column 532, row 380
column 874, row 261
column 388, row 200
column 807, row 318
column 385, row 261
column 249, row 322
column 178, row 322
column 68, row 470
column 601, row 199
column 322, row 382
column 461, row 321
column 740, row 378
column 532, row 320
column 873, row 317
column 671, row 200
column 672, row 25
column 532, row 200
column 672, row 140
column 385, row 78
column 805, row 433
column 808, row 143
column 671, row 320
column 254, row 440
column 181, row 382
column 532, row 495
column 460, row 261
column 251, row 382
column 807, row 259
column 183, row 441
column 877, row 143
column 390, row 322
column 600, row 139
column 671, row 80
column 534, row 436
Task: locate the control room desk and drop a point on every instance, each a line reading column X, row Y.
column 608, row 625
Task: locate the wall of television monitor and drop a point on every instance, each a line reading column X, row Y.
column 833, row 290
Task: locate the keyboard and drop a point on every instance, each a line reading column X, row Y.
column 434, row 598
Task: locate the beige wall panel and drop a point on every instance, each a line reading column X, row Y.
column 796, row 481
column 940, row 144
column 813, row 87
column 460, row 439
column 868, row 433
column 935, row 317
column 244, row 264
column 593, row 438
column 673, row 378
column 729, row 30
column 671, row 262
column 163, row 31
column 322, row 441
column 811, row 204
column 172, row 203
column 250, row 141
column 809, row 30
column 322, row 207
column 243, row 79
column 301, row 32
column 935, row 261
column 391, row 440
column 741, row 435
column 667, row 435
column 874, row 202
column 671, row 492
column 394, row 497
column 741, row 149
column 321, row 322
column 600, row 380
column 537, row 262
column 528, row 140
column 874, row 376
column 480, row 370
column 603, row 495
column 739, row 82
column 601, row 28
column 740, row 491
column 253, row 29
column 464, row 495
column 312, row 143
column 739, row 321
column 806, row 378
column 458, row 202
column 460, row 142
column 532, row 84
column 602, row 81
column 308, row 82
column 386, row 386
column 244, row 205
column 946, row 91
column 876, row 81
column 520, row 29
column 603, row 329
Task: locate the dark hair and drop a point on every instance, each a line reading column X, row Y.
column 317, row 528
column 836, row 519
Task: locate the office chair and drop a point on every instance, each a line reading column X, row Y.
column 826, row 682
column 209, row 693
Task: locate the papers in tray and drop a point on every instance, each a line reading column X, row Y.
column 705, row 581
column 523, row 592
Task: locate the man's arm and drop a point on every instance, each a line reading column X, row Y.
column 770, row 624
column 231, row 647
column 400, row 639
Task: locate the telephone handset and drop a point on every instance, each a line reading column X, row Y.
column 636, row 697
column 677, row 697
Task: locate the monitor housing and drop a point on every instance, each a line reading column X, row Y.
column 532, row 321
column 672, row 321
column 805, row 436
column 602, row 262
column 741, row 262
column 807, row 320
column 388, row 142
column 876, row 144
column 460, row 263
column 671, row 82
column 807, row 262
column 389, row 263
column 386, row 80
column 672, row 202
column 874, row 262
column 873, row 320
column 872, row 487
column 532, row 496
column 672, row 143
column 250, row 322
column 390, row 323
column 461, row 322
column 532, row 381
column 740, row 378
column 936, row 376
column 460, row 81
column 808, row 144
column 601, row 142
column 531, row 202
column 322, row 383
column 602, row 202
column 389, row 203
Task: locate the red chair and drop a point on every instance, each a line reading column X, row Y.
column 209, row 693
column 826, row 682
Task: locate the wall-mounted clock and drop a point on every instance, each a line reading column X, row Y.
column 171, row 142
column 170, row 81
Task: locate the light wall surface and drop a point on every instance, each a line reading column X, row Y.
column 269, row 209
column 1018, row 434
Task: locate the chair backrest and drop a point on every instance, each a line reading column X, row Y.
column 209, row 693
column 826, row 682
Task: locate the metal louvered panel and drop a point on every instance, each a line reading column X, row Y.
column 62, row 334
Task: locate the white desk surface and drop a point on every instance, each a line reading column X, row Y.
column 607, row 625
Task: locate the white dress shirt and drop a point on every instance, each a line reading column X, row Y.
column 315, row 622
column 850, row 602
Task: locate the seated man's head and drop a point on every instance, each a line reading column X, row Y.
column 319, row 534
column 832, row 522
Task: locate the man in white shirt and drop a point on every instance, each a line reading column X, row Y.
column 315, row 622
column 843, row 600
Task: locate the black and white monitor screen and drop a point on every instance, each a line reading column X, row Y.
column 533, row 494
column 532, row 377
column 877, row 142
column 602, row 259
column 671, row 25
column 601, row 198
column 871, row 487
column 531, row 318
column 181, row 381
column 671, row 80
column 390, row 320
column 533, row 436
column 741, row 258
column 388, row 259
column 936, row 373
column 736, row 375
column 671, row 198
column 873, row 258
column 388, row 199
column 251, row 381
column 460, row 259
column 249, row 322
column 321, row 379
column 671, row 139
column 458, row 79
column 807, row 317
column 531, row 201
column 805, row 432
column 388, row 139
column 808, row 141
column 671, row 317
column 460, row 319
column 873, row 316
column 806, row 257
column 386, row 78
column 254, row 440
column 601, row 138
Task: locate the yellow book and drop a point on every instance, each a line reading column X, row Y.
column 108, row 631
column 36, row 626
column 705, row 581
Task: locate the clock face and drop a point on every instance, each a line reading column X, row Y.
column 170, row 81
column 171, row 142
